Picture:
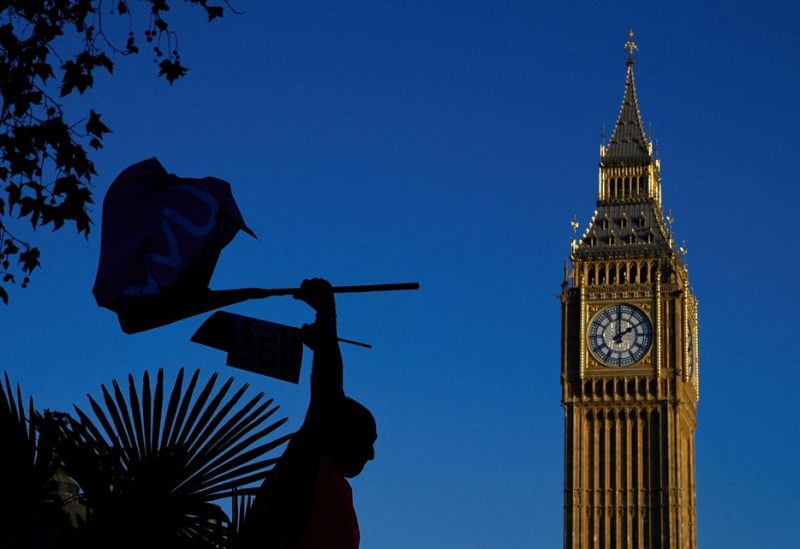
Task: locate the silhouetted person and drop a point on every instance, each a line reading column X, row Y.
column 307, row 502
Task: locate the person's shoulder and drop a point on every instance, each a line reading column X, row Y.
column 305, row 446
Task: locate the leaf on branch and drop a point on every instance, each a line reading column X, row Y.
column 56, row 133
column 84, row 224
column 66, row 185
column 214, row 12
column 74, row 77
column 95, row 127
column 36, row 97
column 8, row 40
column 130, row 46
column 14, row 194
column 10, row 248
column 78, row 74
column 43, row 71
column 159, row 5
column 47, row 29
column 48, row 214
column 172, row 70
column 30, row 259
column 28, row 206
column 102, row 60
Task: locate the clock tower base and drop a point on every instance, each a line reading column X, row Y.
column 630, row 467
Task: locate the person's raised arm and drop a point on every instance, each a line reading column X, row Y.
column 327, row 375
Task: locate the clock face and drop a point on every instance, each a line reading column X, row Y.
column 620, row 335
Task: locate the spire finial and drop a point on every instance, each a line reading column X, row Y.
column 631, row 46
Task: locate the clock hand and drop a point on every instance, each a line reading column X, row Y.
column 618, row 337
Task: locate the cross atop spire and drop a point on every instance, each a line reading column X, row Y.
column 631, row 46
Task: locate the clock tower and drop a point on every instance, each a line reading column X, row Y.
column 629, row 367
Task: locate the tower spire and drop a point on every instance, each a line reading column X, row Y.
column 628, row 143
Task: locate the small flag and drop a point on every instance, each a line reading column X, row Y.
column 258, row 346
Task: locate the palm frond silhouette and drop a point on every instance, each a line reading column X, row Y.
column 153, row 463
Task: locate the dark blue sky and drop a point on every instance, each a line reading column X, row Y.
column 451, row 143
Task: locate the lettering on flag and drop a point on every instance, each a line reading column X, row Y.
column 255, row 345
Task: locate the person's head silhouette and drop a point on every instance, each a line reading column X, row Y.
column 349, row 436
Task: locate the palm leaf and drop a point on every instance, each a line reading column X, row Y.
column 241, row 502
column 239, row 422
column 211, row 424
column 153, row 469
column 31, row 506
column 172, row 406
column 184, row 406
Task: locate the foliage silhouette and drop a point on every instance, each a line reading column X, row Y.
column 45, row 168
column 241, row 503
column 31, row 508
column 151, row 463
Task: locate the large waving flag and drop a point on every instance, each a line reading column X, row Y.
column 161, row 238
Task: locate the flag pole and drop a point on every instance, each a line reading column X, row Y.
column 353, row 342
column 148, row 313
column 259, row 293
